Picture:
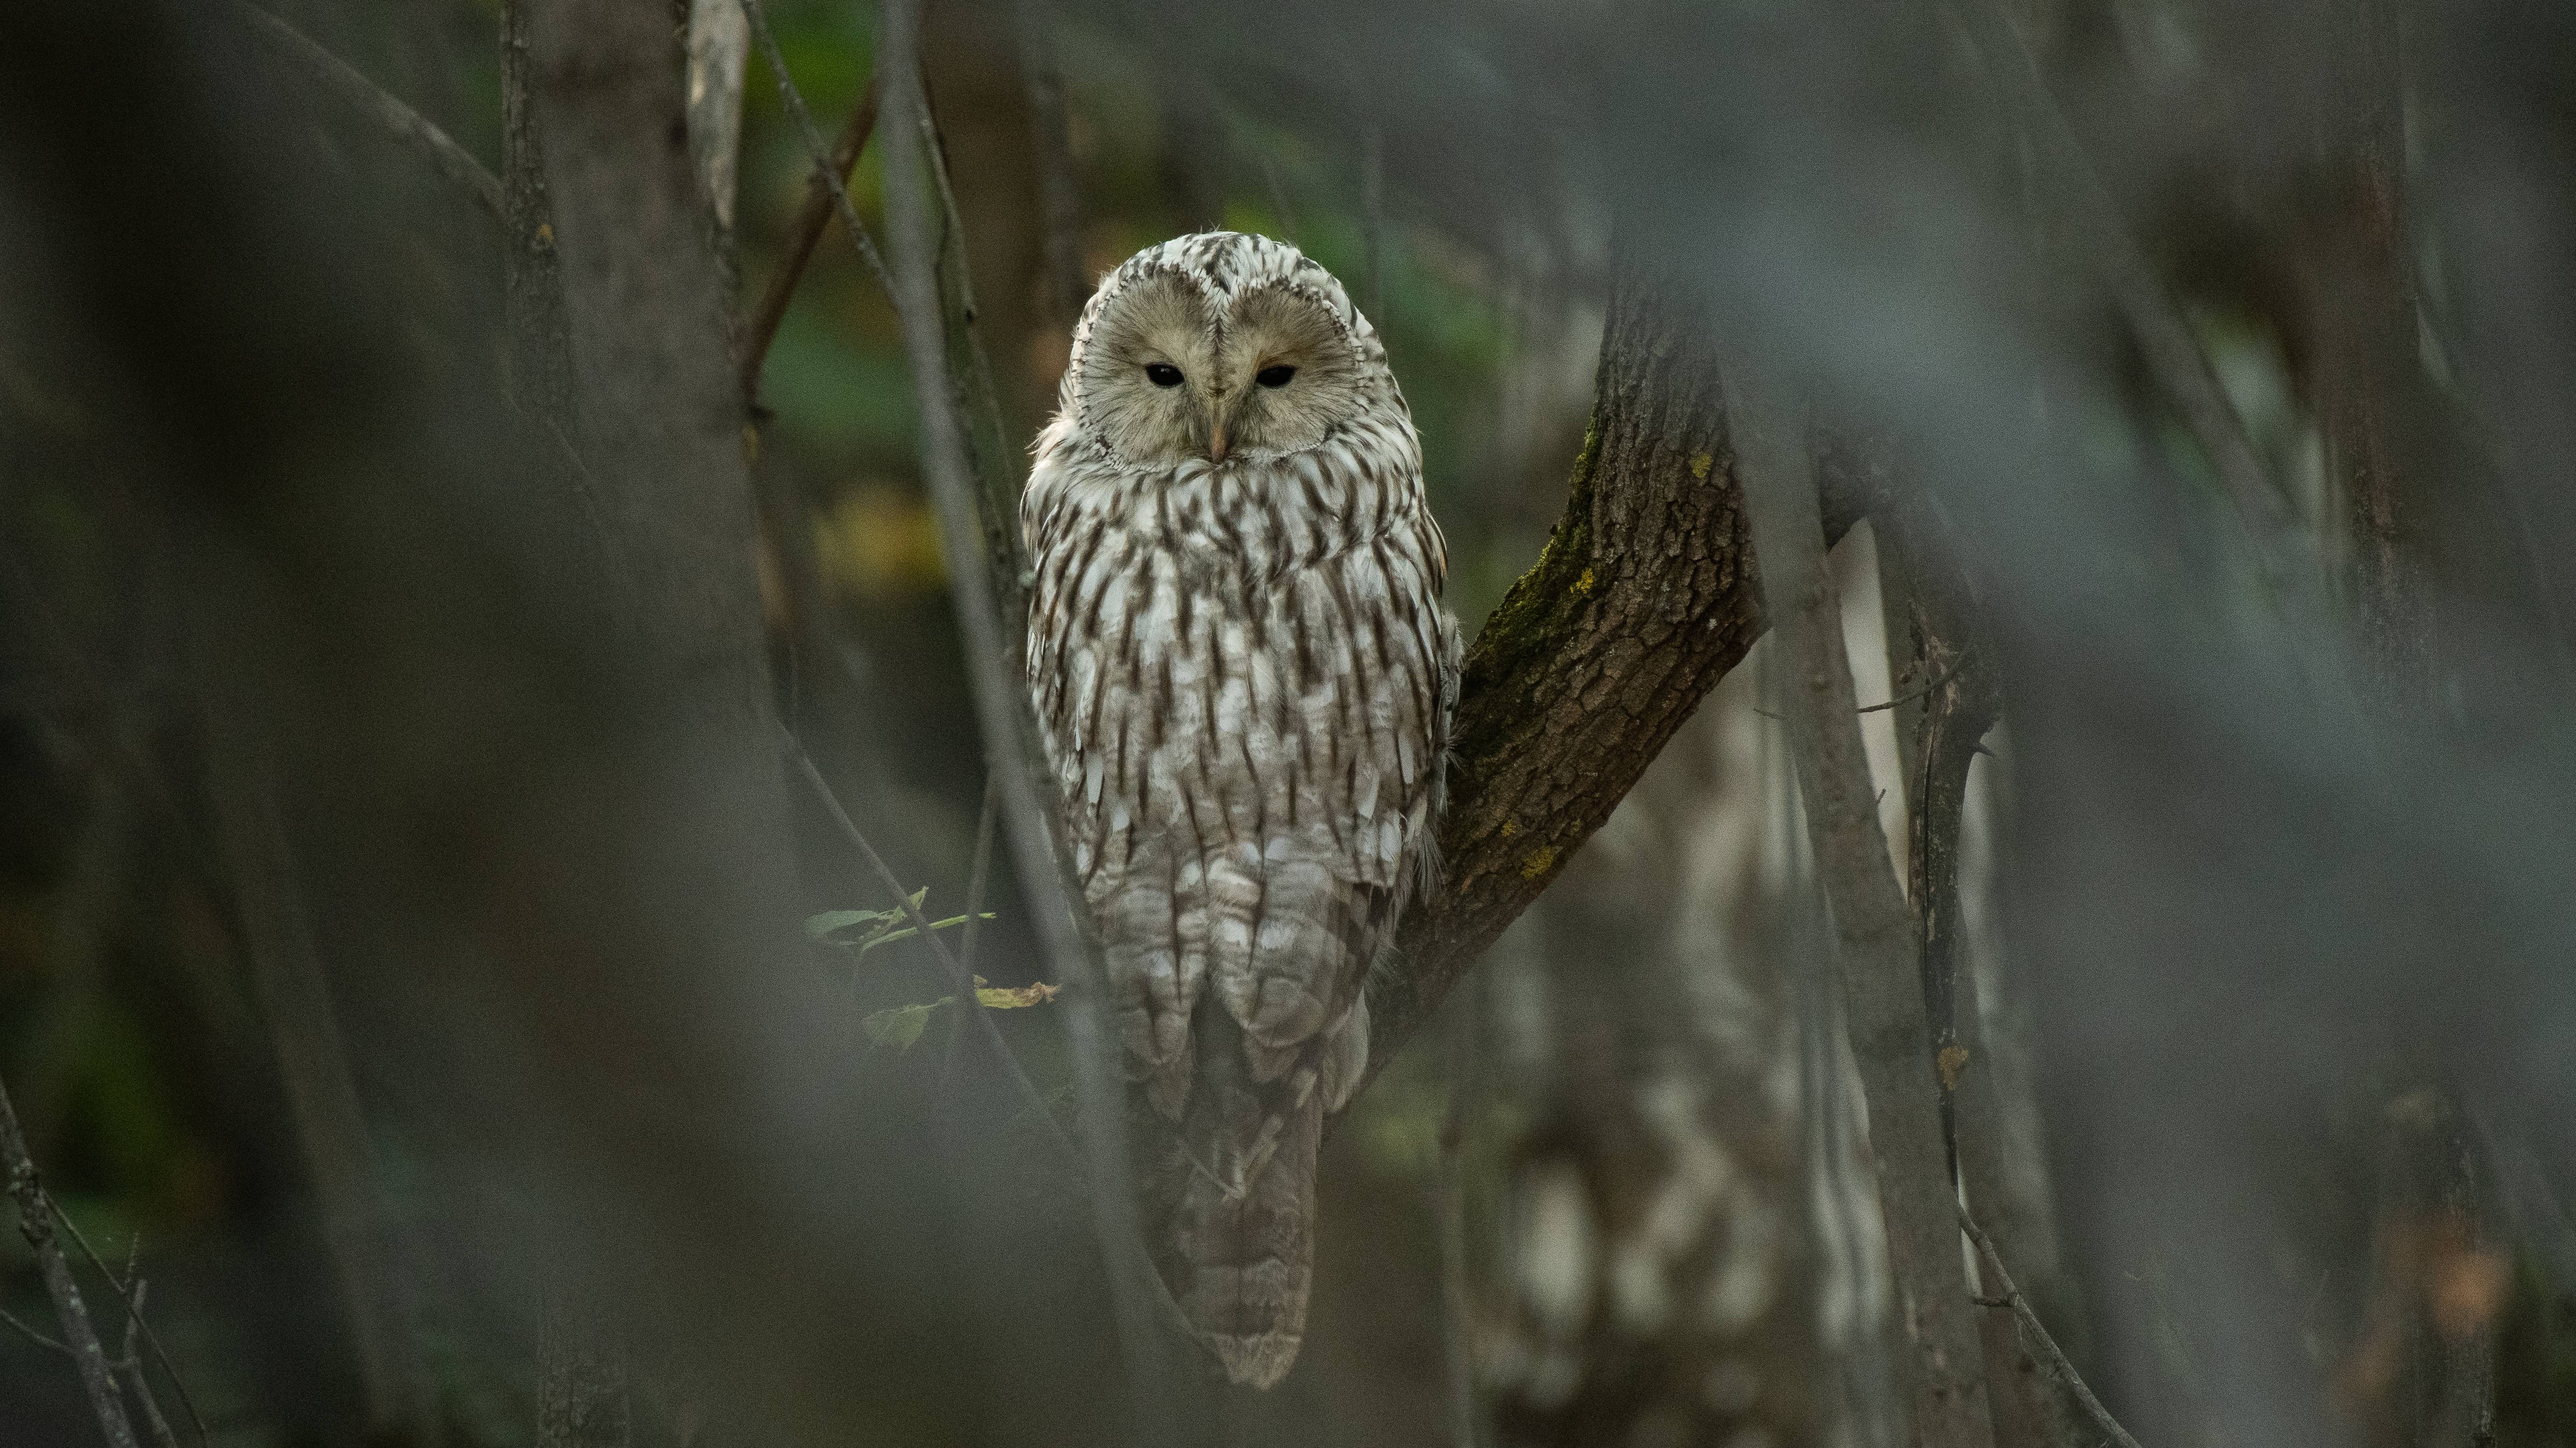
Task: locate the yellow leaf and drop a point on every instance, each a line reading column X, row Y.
column 1005, row 999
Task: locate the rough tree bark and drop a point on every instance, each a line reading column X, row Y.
column 1642, row 601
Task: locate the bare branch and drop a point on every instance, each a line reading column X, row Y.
column 406, row 124
column 813, row 215
column 132, row 1366
column 540, row 336
column 2038, row 1333
column 1960, row 704
column 31, row 1335
column 287, row 975
column 824, row 161
column 992, row 637
column 36, row 1224
column 1873, row 929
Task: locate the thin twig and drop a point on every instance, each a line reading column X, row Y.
column 134, row 1313
column 956, row 968
column 36, row 1224
column 978, row 875
column 814, row 148
column 408, row 125
column 31, row 1335
column 132, row 1366
column 813, row 216
column 1911, row 695
column 2038, row 1331
column 1899, row 701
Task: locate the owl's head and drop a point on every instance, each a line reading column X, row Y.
column 1221, row 345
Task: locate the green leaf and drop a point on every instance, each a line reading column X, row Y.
column 832, row 922
column 900, row 1027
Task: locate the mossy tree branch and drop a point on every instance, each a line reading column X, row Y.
column 1643, row 599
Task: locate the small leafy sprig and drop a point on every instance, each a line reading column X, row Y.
column 860, row 931
column 898, row 1027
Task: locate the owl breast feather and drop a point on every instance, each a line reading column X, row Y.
column 1242, row 677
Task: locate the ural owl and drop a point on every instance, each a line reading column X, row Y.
column 1243, row 675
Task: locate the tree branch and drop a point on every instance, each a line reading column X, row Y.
column 287, row 975
column 36, row 1224
column 132, row 1366
column 982, row 594
column 813, row 216
column 2038, row 1332
column 406, row 124
column 1643, row 599
column 717, row 39
column 826, row 166
column 1960, row 704
column 1890, row 1032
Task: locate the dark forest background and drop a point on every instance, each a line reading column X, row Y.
column 471, row 606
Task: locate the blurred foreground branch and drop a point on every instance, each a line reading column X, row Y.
column 2155, row 317
column 989, row 620
column 313, row 1066
column 1050, row 135
column 408, row 125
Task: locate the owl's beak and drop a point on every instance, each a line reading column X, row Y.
column 1223, row 407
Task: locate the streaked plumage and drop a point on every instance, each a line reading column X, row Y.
column 1244, row 677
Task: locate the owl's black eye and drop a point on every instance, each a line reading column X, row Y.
column 1274, row 376
column 1162, row 374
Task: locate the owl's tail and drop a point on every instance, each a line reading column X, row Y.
column 1239, row 1249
